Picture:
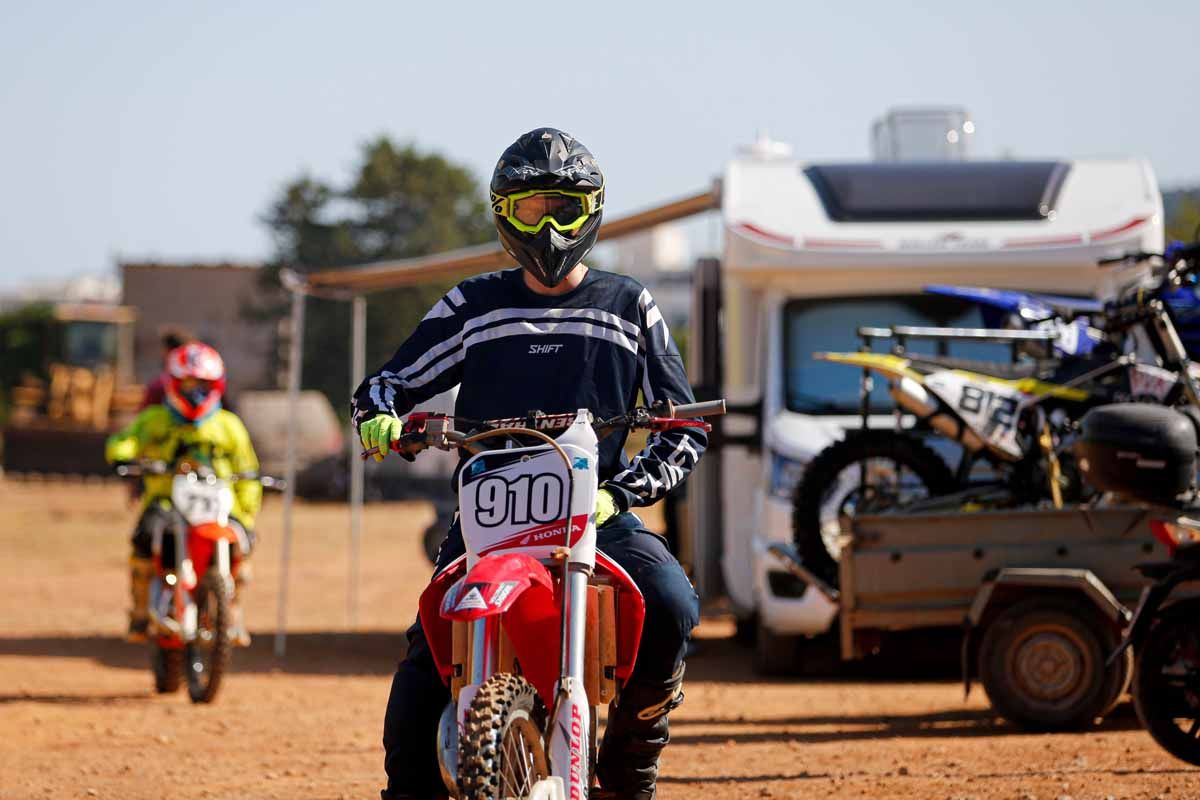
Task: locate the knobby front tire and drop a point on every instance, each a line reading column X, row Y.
column 208, row 655
column 502, row 754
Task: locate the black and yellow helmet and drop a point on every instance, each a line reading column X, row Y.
column 547, row 197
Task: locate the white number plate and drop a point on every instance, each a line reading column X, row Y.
column 989, row 408
column 201, row 502
column 518, row 500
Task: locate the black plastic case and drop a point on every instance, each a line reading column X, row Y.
column 1143, row 451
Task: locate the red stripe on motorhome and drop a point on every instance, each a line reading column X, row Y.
column 1128, row 226
column 765, row 234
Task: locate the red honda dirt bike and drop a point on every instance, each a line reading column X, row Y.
column 522, row 720
column 196, row 562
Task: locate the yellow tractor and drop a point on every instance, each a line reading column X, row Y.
column 66, row 381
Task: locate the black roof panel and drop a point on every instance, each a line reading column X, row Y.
column 938, row 191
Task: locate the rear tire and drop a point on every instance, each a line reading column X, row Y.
column 1041, row 663
column 502, row 754
column 1166, row 690
column 208, row 656
column 167, row 663
column 823, row 497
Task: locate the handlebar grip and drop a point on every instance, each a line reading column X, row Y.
column 708, row 408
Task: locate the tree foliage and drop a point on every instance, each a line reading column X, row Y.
column 1183, row 215
column 399, row 202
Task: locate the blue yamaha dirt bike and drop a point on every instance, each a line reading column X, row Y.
column 1077, row 321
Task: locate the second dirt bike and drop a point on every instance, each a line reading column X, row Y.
column 533, row 627
column 196, row 563
column 1019, row 418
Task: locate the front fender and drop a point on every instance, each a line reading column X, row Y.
column 493, row 586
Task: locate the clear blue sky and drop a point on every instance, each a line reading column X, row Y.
column 164, row 129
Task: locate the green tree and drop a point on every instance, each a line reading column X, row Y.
column 1183, row 215
column 400, row 202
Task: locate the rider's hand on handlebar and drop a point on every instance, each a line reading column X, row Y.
column 380, row 432
column 606, row 507
column 122, row 451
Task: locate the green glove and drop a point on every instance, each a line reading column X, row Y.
column 606, row 507
column 380, row 432
column 119, row 450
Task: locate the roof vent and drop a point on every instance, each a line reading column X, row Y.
column 922, row 134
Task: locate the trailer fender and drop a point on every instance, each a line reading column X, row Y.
column 1002, row 587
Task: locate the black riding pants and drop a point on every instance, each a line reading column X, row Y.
column 418, row 695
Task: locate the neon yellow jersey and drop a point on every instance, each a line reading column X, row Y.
column 221, row 440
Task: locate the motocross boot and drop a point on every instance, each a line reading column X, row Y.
column 634, row 737
column 141, row 571
column 238, row 631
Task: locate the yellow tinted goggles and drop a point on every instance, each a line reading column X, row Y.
column 531, row 211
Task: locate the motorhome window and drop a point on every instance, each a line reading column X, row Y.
column 831, row 325
column 933, row 192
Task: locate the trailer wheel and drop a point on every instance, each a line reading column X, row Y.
column 775, row 654
column 1041, row 663
column 901, row 468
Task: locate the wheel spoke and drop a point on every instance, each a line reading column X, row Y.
column 1195, row 728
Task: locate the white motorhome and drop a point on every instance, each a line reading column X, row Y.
column 812, row 252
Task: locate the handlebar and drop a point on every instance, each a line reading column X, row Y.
column 424, row 430
column 138, row 469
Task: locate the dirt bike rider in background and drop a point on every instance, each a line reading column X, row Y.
column 190, row 423
column 553, row 336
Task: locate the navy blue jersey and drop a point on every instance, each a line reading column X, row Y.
column 511, row 351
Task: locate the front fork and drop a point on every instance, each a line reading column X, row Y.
column 172, row 609
column 570, row 723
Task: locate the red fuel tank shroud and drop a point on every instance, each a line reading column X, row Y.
column 202, row 543
column 523, row 592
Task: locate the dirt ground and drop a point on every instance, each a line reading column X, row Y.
column 78, row 717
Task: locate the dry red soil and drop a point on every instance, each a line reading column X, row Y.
column 78, row 717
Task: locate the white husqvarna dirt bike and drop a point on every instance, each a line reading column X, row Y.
column 533, row 628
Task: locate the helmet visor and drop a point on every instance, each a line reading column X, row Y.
column 531, row 211
column 195, row 390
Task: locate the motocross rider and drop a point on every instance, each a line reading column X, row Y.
column 189, row 423
column 555, row 336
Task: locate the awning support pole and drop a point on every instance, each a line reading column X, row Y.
column 358, row 367
column 295, row 357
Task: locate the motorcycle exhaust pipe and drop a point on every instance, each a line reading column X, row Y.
column 913, row 398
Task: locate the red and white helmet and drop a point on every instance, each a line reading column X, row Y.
column 195, row 381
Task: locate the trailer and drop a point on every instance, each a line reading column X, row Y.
column 1041, row 597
